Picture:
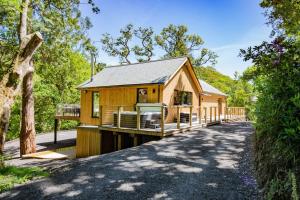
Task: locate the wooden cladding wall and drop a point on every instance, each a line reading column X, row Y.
column 214, row 101
column 111, row 98
column 182, row 81
column 86, row 108
column 88, row 142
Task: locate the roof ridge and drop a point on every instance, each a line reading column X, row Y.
column 150, row 61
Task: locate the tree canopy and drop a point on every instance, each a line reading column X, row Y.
column 174, row 40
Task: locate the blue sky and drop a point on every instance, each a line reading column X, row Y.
column 225, row 25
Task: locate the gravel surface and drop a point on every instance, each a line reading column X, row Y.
column 208, row 163
column 44, row 142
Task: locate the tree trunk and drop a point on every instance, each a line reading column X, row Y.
column 27, row 134
column 11, row 82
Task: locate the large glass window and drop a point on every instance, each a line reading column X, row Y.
column 182, row 97
column 142, row 95
column 95, row 104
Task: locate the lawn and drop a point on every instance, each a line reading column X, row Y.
column 11, row 175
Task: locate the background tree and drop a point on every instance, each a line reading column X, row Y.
column 120, row 46
column 206, row 56
column 146, row 49
column 176, row 41
column 123, row 48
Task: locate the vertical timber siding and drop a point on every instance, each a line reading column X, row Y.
column 182, row 81
column 88, row 142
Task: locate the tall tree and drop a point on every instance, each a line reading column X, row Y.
column 123, row 48
column 176, row 41
column 11, row 81
column 206, row 56
column 120, row 46
column 63, row 28
column 146, row 48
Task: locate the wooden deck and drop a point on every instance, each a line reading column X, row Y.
column 169, row 129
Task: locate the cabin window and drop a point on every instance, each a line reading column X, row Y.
column 182, row 97
column 95, row 104
column 142, row 96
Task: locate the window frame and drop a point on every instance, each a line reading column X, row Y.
column 137, row 96
column 93, row 113
column 182, row 99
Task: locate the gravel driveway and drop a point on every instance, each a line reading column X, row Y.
column 208, row 163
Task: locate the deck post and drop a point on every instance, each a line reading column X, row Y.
column 119, row 141
column 215, row 112
column 119, row 117
column 138, row 118
column 115, row 141
column 100, row 142
column 55, row 130
column 190, row 117
column 178, row 117
column 200, row 115
column 219, row 114
column 162, row 121
column 210, row 114
column 205, row 115
column 135, row 140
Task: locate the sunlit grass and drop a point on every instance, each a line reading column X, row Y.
column 11, row 175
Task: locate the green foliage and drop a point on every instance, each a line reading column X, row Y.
column 215, row 78
column 59, row 63
column 11, row 175
column 283, row 15
column 176, row 41
column 239, row 91
column 121, row 47
column 275, row 75
column 173, row 40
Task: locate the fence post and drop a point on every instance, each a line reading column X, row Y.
column 191, row 113
column 178, row 117
column 162, row 125
column 138, row 118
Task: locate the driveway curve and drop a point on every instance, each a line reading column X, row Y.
column 207, row 163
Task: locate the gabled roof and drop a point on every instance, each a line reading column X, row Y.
column 152, row 72
column 209, row 89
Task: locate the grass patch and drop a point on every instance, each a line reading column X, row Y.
column 11, row 175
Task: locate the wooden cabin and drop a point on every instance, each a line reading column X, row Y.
column 126, row 105
column 213, row 101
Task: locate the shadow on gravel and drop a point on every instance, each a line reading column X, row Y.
column 200, row 164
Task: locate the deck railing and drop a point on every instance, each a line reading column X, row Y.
column 68, row 110
column 158, row 117
column 235, row 113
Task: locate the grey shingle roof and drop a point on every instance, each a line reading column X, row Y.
column 210, row 89
column 153, row 72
